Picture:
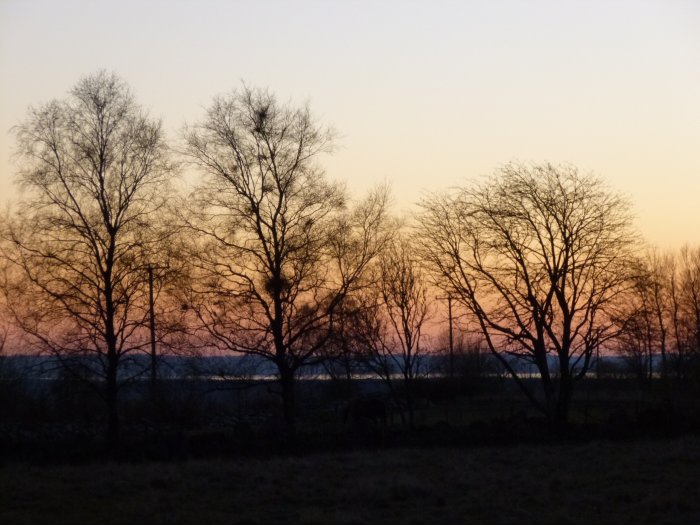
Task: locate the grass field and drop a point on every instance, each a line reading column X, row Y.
column 639, row 482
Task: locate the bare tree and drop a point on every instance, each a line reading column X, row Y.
column 686, row 309
column 95, row 170
column 536, row 254
column 680, row 335
column 340, row 353
column 277, row 249
column 389, row 329
column 660, row 266
column 639, row 327
column 645, row 314
column 660, row 313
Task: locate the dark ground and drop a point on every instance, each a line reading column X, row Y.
column 648, row 481
column 478, row 454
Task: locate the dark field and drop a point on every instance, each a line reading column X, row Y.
column 599, row 482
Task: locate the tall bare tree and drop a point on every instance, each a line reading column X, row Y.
column 277, row 248
column 639, row 327
column 645, row 315
column 660, row 315
column 95, row 170
column 686, row 306
column 660, row 268
column 536, row 254
column 389, row 329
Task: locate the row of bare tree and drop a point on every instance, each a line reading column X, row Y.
column 659, row 324
column 266, row 256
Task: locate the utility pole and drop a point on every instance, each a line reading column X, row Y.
column 152, row 323
column 452, row 353
column 152, row 326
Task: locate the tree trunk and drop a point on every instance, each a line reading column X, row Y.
column 561, row 415
column 410, row 403
column 112, row 435
column 548, row 388
column 288, row 396
column 566, row 385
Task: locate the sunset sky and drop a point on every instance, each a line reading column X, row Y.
column 424, row 95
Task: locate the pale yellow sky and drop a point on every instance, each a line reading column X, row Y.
column 423, row 94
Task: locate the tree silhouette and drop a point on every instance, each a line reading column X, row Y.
column 388, row 328
column 277, row 249
column 96, row 171
column 536, row 254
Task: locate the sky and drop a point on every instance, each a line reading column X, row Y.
column 423, row 95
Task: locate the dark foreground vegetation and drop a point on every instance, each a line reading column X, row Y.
column 647, row 481
column 61, row 421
